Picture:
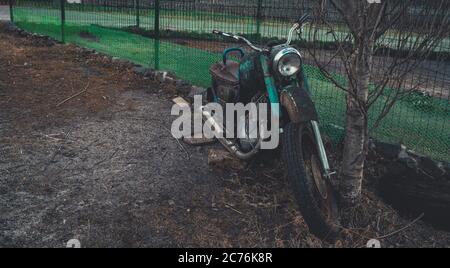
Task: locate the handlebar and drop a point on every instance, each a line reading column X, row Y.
column 226, row 34
column 303, row 19
column 240, row 39
column 297, row 27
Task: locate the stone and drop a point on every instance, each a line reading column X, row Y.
column 223, row 159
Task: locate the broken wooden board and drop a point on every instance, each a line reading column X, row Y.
column 181, row 101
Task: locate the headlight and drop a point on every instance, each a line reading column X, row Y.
column 287, row 62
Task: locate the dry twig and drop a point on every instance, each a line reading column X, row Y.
column 74, row 96
column 402, row 229
column 179, row 143
column 232, row 208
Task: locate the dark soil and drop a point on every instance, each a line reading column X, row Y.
column 89, row 36
column 103, row 168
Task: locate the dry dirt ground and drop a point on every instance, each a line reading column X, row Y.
column 103, row 168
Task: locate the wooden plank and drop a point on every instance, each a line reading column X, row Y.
column 181, row 101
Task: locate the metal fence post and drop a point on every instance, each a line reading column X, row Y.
column 63, row 19
column 259, row 17
column 157, row 14
column 11, row 13
column 137, row 7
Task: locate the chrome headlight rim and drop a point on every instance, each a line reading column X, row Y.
column 286, row 52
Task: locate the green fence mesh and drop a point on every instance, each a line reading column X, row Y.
column 175, row 35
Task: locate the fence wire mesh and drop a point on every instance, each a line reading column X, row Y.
column 175, row 35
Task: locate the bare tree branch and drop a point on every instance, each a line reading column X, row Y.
column 375, row 50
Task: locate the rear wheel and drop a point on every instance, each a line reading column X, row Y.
column 314, row 193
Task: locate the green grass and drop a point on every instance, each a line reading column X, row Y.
column 189, row 63
column 422, row 123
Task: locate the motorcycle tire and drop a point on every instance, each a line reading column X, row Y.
column 314, row 193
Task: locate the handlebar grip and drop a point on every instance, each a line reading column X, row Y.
column 303, row 18
column 230, row 35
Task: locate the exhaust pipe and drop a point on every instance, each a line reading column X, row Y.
column 228, row 144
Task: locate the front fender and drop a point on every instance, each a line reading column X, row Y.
column 298, row 104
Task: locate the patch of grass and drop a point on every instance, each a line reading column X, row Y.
column 189, row 63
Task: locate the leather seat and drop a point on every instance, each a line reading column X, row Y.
column 230, row 72
column 233, row 69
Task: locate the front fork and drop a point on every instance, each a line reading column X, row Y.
column 321, row 149
column 273, row 97
column 320, row 146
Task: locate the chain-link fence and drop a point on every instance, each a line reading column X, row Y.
column 176, row 35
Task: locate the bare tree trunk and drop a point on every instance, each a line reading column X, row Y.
column 369, row 23
column 356, row 138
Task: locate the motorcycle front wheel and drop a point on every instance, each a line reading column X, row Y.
column 314, row 193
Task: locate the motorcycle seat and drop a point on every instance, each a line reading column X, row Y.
column 228, row 72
